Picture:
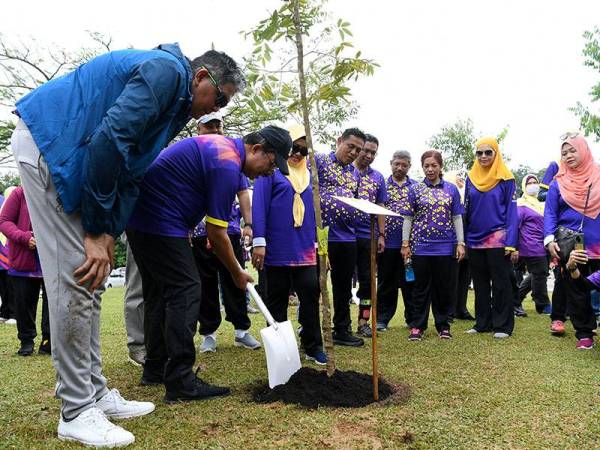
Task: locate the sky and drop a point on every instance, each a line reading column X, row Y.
column 510, row 63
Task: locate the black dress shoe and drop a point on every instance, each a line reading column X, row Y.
column 26, row 349
column 347, row 339
column 45, row 348
column 199, row 391
column 152, row 379
column 466, row 316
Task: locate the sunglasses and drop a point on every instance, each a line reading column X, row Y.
column 480, row 153
column 299, row 149
column 222, row 99
column 569, row 135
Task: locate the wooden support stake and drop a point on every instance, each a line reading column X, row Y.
column 374, row 309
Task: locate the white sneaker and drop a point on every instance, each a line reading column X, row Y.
column 501, row 335
column 11, row 322
column 116, row 407
column 3, row 319
column 472, row 331
column 92, row 428
column 209, row 344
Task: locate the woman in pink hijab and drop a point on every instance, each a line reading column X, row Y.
column 573, row 202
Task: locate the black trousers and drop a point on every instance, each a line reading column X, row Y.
column 462, row 289
column 391, row 277
column 212, row 275
column 435, row 285
column 342, row 258
column 305, row 280
column 535, row 282
column 27, row 292
column 7, row 309
column 514, row 284
column 559, row 297
column 363, row 271
column 490, row 269
column 579, row 301
column 172, row 293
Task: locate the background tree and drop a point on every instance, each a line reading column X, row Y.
column 311, row 83
column 589, row 118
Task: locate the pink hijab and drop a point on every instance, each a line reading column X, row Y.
column 574, row 183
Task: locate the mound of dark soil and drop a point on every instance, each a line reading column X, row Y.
column 313, row 388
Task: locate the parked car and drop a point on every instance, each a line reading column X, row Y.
column 116, row 278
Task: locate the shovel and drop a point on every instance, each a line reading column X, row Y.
column 279, row 341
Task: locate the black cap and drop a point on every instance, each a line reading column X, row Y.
column 281, row 141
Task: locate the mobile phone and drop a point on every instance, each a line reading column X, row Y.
column 579, row 242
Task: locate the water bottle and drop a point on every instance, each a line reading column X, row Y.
column 408, row 269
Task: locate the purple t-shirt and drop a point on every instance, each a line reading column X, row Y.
column 492, row 219
column 273, row 222
column 397, row 201
column 595, row 279
column 190, row 179
column 531, row 232
column 557, row 212
column 233, row 225
column 336, row 178
column 432, row 208
column 371, row 187
column 549, row 175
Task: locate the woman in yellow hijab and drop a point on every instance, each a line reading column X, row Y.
column 492, row 235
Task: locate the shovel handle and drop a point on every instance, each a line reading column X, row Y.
column 261, row 306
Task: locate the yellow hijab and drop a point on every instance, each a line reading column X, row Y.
column 486, row 179
column 530, row 201
column 299, row 178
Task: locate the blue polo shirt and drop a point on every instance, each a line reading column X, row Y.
column 193, row 178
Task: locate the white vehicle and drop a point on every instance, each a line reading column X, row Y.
column 116, row 278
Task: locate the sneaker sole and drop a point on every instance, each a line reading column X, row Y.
column 557, row 333
column 585, row 348
column 310, row 358
column 207, row 350
column 130, row 415
column 415, row 339
column 169, row 401
column 239, row 344
column 97, row 444
column 133, row 361
column 348, row 344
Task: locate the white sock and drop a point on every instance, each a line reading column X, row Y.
column 240, row 333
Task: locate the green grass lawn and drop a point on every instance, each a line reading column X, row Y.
column 530, row 391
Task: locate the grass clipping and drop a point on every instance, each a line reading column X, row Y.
column 313, row 389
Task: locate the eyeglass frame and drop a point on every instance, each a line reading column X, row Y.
column 222, row 99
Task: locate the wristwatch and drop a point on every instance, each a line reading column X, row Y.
column 572, row 269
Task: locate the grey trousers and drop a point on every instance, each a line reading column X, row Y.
column 74, row 312
column 134, row 304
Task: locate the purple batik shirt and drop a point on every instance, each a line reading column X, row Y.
column 371, row 187
column 336, row 178
column 432, row 208
column 595, row 279
column 397, row 201
column 531, row 232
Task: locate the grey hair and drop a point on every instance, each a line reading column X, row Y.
column 222, row 67
column 401, row 154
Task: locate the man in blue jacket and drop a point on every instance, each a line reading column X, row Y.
column 83, row 143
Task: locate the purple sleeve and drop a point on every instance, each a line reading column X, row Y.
column 261, row 202
column 595, row 279
column 512, row 217
column 244, row 184
column 222, row 186
column 551, row 172
column 551, row 211
column 381, row 191
column 457, row 207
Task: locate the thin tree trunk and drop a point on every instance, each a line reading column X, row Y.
column 327, row 335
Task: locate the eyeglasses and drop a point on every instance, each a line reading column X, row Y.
column 480, row 153
column 222, row 99
column 569, row 135
column 296, row 148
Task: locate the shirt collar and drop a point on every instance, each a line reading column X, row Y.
column 429, row 184
column 408, row 181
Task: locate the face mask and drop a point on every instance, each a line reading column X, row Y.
column 532, row 189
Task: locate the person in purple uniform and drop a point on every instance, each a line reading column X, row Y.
column 492, row 234
column 531, row 248
column 25, row 273
column 433, row 224
column 337, row 177
column 371, row 187
column 284, row 244
column 193, row 178
column 390, row 268
column 573, row 203
column 549, row 175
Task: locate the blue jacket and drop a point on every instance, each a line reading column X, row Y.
column 100, row 126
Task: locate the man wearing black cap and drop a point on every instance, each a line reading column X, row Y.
column 193, row 178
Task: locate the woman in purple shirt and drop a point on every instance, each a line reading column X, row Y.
column 284, row 244
column 492, row 234
column 531, row 244
column 433, row 224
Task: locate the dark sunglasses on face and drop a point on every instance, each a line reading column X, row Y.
column 222, row 99
column 480, row 153
column 299, row 149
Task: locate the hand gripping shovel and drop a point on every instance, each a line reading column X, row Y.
column 279, row 341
